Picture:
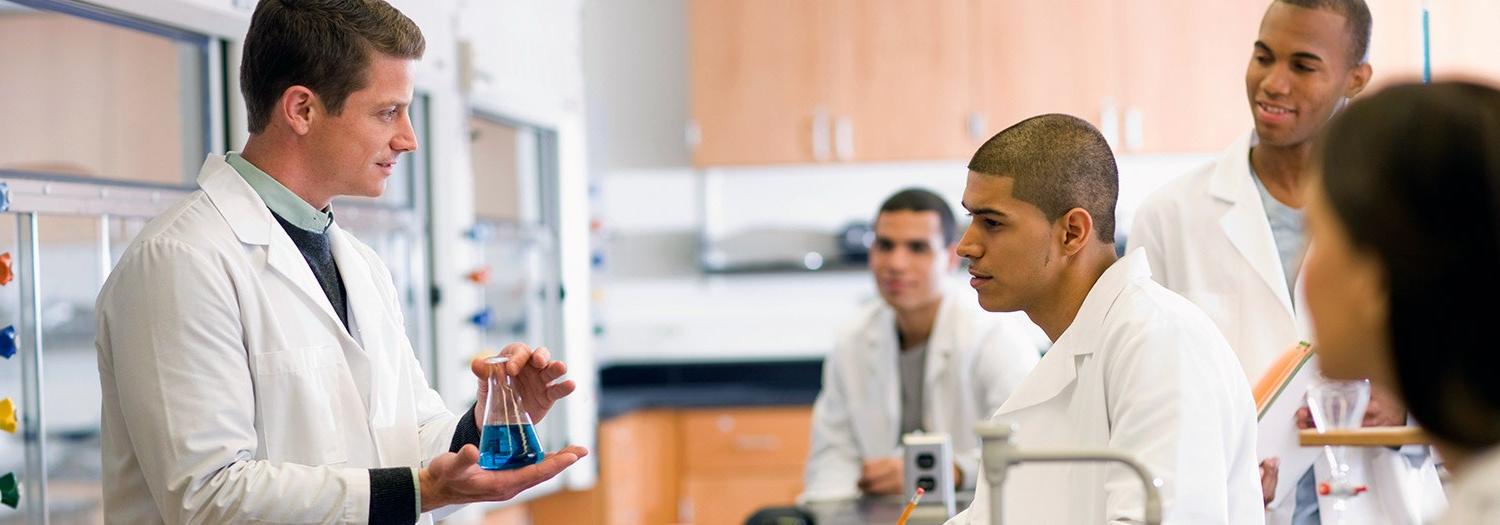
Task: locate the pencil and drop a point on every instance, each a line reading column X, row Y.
column 910, row 506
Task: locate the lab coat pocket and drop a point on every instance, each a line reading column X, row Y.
column 295, row 399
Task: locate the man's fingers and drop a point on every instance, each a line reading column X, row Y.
column 554, row 370
column 561, row 390
column 541, row 357
column 519, row 355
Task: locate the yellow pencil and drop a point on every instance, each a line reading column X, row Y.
column 910, row 506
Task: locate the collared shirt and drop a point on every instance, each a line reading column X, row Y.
column 279, row 199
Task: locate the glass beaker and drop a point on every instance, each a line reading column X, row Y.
column 508, row 441
column 1339, row 405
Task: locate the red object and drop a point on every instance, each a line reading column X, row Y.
column 6, row 275
column 480, row 276
column 1324, row 489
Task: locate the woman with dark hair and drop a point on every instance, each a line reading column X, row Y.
column 1404, row 272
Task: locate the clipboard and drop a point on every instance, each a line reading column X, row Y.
column 1278, row 395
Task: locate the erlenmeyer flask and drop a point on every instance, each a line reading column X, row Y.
column 508, row 440
column 1338, row 405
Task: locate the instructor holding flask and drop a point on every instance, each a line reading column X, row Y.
column 252, row 357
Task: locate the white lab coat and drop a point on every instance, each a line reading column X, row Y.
column 1208, row 238
column 232, row 393
column 974, row 360
column 1476, row 492
column 1141, row 371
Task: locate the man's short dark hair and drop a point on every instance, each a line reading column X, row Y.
column 1059, row 162
column 918, row 199
column 1357, row 20
column 324, row 45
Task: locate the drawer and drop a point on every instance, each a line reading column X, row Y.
column 746, row 438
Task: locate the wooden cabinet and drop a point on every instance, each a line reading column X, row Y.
column 894, row 80
column 900, row 80
column 692, row 466
column 1182, row 77
column 1033, row 57
column 799, row 81
column 759, row 81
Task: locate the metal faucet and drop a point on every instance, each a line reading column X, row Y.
column 1000, row 453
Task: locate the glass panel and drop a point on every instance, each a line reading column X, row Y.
column 511, row 198
column 86, row 98
column 72, row 263
column 12, row 448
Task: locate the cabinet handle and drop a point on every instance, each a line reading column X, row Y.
column 820, row 132
column 977, row 126
column 1135, row 129
column 843, row 138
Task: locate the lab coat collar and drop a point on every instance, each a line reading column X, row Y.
column 253, row 224
column 368, row 315
column 245, row 212
column 1058, row 368
column 1245, row 223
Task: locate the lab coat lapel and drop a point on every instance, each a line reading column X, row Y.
column 253, row 224
column 883, row 344
column 1059, row 367
column 1245, row 223
column 371, row 326
column 948, row 330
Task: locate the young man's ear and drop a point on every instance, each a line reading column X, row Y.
column 1358, row 79
column 1077, row 230
column 297, row 107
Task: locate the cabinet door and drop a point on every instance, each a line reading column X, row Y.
column 758, row 81
column 1183, row 72
column 1395, row 43
column 724, row 499
column 1044, row 56
column 901, row 79
column 730, row 441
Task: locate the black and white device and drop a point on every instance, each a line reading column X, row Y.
column 929, row 465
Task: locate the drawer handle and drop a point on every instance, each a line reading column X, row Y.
column 761, row 442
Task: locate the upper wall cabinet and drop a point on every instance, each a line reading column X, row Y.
column 1052, row 56
column 900, row 79
column 798, row 81
column 759, row 81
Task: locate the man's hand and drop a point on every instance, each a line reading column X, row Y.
column 1268, row 470
column 1384, row 410
column 455, row 478
column 881, row 476
column 531, row 373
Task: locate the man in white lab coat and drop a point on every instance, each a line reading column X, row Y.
column 1133, row 367
column 252, row 356
column 1229, row 237
column 924, row 358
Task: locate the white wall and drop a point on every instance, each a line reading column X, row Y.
column 732, row 317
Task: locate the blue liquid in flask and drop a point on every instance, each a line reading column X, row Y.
column 504, row 447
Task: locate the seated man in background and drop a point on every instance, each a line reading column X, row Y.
column 1133, row 368
column 923, row 359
